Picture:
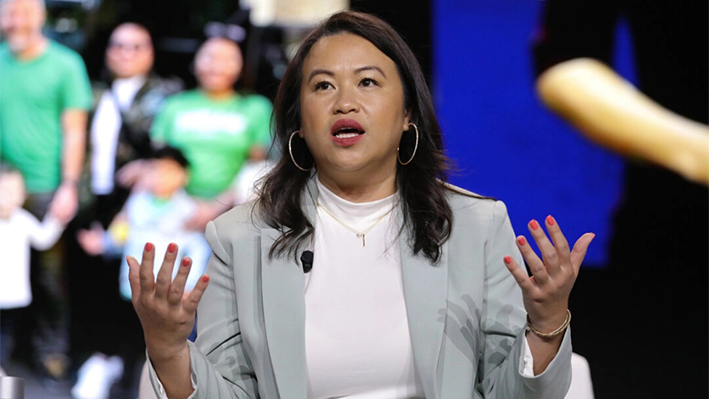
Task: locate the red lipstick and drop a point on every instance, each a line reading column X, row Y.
column 346, row 132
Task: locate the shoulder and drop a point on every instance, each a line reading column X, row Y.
column 4, row 51
column 471, row 208
column 237, row 223
column 165, row 86
column 179, row 101
column 23, row 220
column 256, row 101
column 183, row 97
column 64, row 55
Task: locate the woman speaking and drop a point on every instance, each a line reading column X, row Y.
column 359, row 272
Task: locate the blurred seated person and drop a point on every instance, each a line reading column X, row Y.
column 157, row 208
column 216, row 127
column 124, row 113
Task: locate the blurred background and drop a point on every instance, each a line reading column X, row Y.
column 479, row 60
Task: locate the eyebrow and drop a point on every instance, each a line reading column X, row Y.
column 318, row 72
column 370, row 68
column 358, row 70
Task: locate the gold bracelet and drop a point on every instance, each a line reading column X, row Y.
column 553, row 333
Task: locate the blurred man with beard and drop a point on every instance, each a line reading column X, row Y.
column 44, row 98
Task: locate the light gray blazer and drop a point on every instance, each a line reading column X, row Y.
column 466, row 317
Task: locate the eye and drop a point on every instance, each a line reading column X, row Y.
column 368, row 82
column 323, row 85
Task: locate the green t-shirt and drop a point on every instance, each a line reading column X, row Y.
column 33, row 95
column 215, row 136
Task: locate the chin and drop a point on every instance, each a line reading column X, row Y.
column 17, row 45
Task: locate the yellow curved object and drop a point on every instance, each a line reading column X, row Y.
column 613, row 113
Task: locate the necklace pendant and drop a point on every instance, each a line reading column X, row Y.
column 361, row 235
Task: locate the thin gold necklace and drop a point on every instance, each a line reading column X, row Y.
column 360, row 234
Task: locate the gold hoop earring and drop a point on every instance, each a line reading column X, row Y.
column 416, row 146
column 290, row 150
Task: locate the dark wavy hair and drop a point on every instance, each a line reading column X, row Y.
column 427, row 214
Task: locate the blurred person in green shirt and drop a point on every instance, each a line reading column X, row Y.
column 217, row 128
column 44, row 98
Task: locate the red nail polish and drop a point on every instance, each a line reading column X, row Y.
column 550, row 220
column 148, row 247
column 172, row 247
column 508, row 259
column 205, row 279
column 534, row 225
column 521, row 240
column 185, row 262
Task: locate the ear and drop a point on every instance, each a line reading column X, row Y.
column 407, row 120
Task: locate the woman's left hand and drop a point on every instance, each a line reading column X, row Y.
column 546, row 292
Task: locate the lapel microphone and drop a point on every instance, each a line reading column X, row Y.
column 307, row 259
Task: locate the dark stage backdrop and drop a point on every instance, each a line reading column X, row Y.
column 505, row 143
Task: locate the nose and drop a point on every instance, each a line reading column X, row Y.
column 346, row 101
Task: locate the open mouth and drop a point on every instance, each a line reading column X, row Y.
column 346, row 128
column 347, row 132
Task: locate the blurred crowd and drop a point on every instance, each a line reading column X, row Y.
column 90, row 171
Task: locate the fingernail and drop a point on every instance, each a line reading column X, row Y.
column 148, row 247
column 534, row 225
column 521, row 241
column 550, row 220
column 172, row 247
column 205, row 279
column 508, row 259
column 185, row 262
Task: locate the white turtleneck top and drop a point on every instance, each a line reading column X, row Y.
column 356, row 331
column 357, row 341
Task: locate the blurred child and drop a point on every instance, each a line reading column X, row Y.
column 156, row 211
column 18, row 231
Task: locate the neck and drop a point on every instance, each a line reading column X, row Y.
column 34, row 49
column 219, row 94
column 356, row 189
column 137, row 76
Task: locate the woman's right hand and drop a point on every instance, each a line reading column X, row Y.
column 166, row 314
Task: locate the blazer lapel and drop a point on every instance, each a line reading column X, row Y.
column 283, row 290
column 284, row 318
column 425, row 291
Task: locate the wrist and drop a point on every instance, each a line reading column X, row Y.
column 551, row 328
column 162, row 353
column 70, row 182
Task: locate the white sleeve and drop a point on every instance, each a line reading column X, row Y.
column 526, row 361
column 44, row 235
column 158, row 388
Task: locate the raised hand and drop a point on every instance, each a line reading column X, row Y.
column 166, row 314
column 65, row 203
column 546, row 292
column 91, row 241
